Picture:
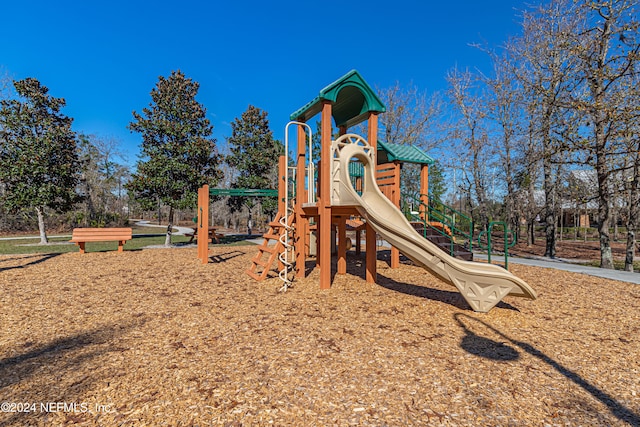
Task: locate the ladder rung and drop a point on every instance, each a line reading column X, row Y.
column 260, row 263
column 254, row 275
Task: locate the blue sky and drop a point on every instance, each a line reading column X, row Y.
column 104, row 58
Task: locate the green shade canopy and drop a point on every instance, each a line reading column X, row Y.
column 243, row 192
column 388, row 152
column 352, row 99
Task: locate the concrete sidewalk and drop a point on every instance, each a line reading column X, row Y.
column 558, row 264
column 179, row 230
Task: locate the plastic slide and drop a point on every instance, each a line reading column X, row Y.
column 481, row 285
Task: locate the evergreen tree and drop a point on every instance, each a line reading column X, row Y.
column 178, row 153
column 39, row 165
column 254, row 154
column 437, row 184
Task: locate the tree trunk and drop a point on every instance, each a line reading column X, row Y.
column 43, row 232
column 550, row 234
column 549, row 185
column 632, row 217
column 531, row 238
column 249, row 222
column 167, row 240
column 604, row 194
column 606, row 257
column 631, row 249
column 481, row 194
column 550, row 212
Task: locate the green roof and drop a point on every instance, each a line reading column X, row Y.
column 352, row 99
column 243, row 192
column 388, row 152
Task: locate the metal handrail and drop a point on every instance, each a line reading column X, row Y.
column 446, row 215
column 416, row 218
column 459, row 223
column 510, row 239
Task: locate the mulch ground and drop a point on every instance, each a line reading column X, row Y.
column 153, row 338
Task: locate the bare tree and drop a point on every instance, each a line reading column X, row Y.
column 410, row 117
column 526, row 179
column 633, row 216
column 103, row 179
column 472, row 135
column 546, row 78
column 607, row 49
column 631, row 137
column 505, row 110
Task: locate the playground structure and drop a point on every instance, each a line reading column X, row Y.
column 335, row 196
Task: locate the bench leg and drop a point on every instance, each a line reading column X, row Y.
column 120, row 245
column 81, row 244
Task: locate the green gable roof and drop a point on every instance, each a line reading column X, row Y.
column 388, row 152
column 352, row 100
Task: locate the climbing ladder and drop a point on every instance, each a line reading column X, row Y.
column 268, row 252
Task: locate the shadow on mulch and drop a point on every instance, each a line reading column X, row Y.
column 448, row 297
column 225, row 256
column 39, row 259
column 65, row 356
column 490, row 349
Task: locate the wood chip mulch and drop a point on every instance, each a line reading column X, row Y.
column 154, row 338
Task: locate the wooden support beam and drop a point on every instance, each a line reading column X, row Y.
column 202, row 227
column 395, row 253
column 301, row 197
column 342, row 245
column 324, row 203
column 424, row 192
column 282, row 191
column 371, row 245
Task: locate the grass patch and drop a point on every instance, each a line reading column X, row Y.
column 136, row 229
column 62, row 245
column 143, row 236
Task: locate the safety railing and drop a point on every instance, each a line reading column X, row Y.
column 459, row 225
column 509, row 239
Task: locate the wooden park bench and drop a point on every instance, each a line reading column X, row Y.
column 83, row 235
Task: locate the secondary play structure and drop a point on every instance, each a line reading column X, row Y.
column 315, row 203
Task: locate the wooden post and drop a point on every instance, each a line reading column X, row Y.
column 300, row 239
column 319, row 197
column 424, row 192
column 342, row 245
column 282, row 170
column 202, row 227
column 198, row 219
column 371, row 246
column 324, row 203
column 395, row 253
column 282, row 191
